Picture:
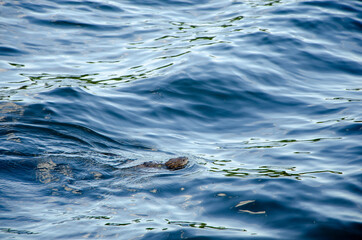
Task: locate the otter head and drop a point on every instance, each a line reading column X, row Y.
column 177, row 163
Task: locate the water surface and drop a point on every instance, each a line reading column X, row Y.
column 263, row 97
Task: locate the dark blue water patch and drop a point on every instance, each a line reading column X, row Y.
column 253, row 207
column 71, row 94
column 340, row 64
column 38, row 8
column 354, row 151
column 351, row 129
column 112, row 116
column 334, row 230
column 18, row 169
column 350, row 7
column 71, row 24
column 291, row 55
column 47, row 7
column 339, row 23
column 10, row 51
column 194, row 230
column 92, row 5
column 321, row 110
column 36, row 130
column 214, row 100
column 44, row 130
column 174, row 3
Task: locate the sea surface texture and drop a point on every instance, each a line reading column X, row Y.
column 263, row 97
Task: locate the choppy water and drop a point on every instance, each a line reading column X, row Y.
column 263, row 97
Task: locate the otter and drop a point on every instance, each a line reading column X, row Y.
column 171, row 164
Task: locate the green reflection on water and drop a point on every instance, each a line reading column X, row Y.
column 160, row 52
column 17, row 65
column 337, row 120
column 345, row 99
column 91, row 217
column 192, row 224
column 201, row 225
column 236, row 18
column 115, row 61
column 47, row 80
column 256, row 143
column 16, row 231
column 264, row 171
column 202, row 38
column 173, row 56
column 138, row 220
column 265, row 3
column 117, row 224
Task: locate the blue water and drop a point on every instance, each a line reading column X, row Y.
column 262, row 96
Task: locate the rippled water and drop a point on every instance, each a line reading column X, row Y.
column 262, row 96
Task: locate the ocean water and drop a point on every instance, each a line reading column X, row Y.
column 262, row 96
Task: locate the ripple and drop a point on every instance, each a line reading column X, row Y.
column 10, row 51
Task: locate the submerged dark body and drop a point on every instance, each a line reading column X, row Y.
column 172, row 164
